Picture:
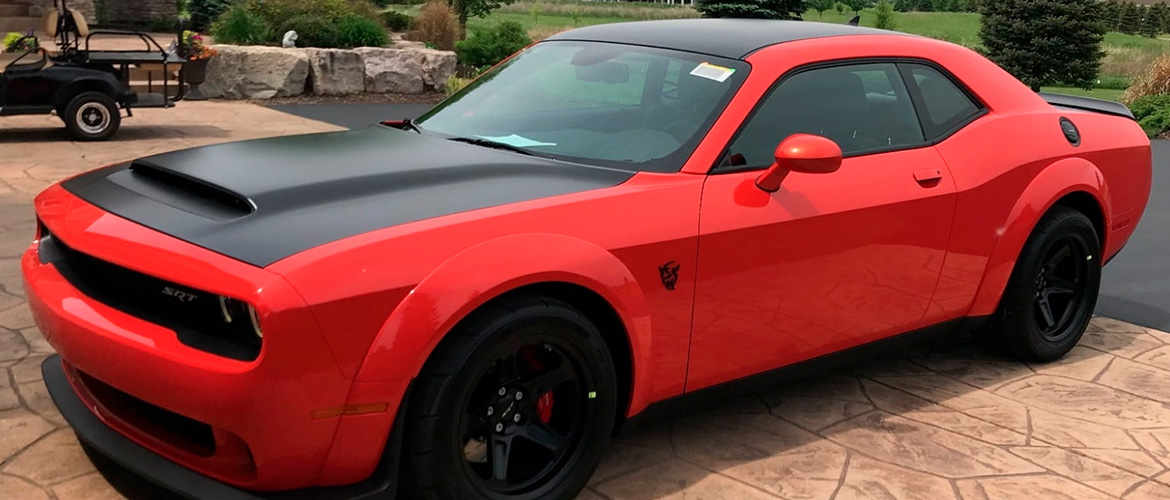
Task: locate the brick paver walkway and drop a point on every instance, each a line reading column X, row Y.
column 950, row 422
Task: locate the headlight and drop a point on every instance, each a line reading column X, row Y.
column 236, row 311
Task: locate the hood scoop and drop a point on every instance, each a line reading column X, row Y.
column 182, row 192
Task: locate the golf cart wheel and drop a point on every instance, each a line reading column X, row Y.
column 92, row 116
column 1050, row 297
column 517, row 403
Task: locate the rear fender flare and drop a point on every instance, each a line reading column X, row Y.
column 1056, row 181
column 481, row 273
column 85, row 84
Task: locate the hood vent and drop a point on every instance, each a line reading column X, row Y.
column 182, row 192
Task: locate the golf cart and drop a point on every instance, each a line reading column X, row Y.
column 88, row 89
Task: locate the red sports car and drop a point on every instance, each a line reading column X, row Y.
column 467, row 305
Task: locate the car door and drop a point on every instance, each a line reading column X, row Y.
column 829, row 261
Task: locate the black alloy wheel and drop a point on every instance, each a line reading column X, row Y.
column 1060, row 287
column 517, row 403
column 524, row 416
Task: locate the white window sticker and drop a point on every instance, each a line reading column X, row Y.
column 712, row 72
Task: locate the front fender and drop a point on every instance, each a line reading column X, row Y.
column 485, row 271
column 1059, row 179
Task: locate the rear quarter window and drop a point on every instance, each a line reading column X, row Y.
column 946, row 105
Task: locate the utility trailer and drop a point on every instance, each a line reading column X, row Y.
column 89, row 89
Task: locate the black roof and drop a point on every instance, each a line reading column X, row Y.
column 731, row 38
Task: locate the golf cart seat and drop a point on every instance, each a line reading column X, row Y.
column 70, row 28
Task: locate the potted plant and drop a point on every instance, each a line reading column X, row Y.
column 18, row 42
column 197, row 54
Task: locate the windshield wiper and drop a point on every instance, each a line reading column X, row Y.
column 407, row 123
column 487, row 143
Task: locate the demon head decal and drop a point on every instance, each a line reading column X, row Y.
column 669, row 274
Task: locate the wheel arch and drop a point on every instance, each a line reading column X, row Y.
column 1072, row 182
column 568, row 269
column 67, row 93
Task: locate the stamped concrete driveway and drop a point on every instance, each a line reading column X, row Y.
column 945, row 422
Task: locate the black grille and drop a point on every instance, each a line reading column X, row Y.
column 194, row 315
column 177, row 430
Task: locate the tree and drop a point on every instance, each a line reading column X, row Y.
column 1044, row 42
column 840, row 7
column 753, row 9
column 1111, row 14
column 1130, row 20
column 1161, row 13
column 856, row 5
column 475, row 8
column 1150, row 25
column 885, row 15
column 820, row 6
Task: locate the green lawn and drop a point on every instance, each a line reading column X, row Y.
column 1107, row 94
column 1127, row 56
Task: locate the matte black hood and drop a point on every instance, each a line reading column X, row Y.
column 263, row 200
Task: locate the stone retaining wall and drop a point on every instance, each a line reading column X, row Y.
column 256, row 72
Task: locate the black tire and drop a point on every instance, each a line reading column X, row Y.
column 456, row 415
column 1050, row 297
column 92, row 116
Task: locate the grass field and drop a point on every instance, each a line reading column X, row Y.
column 1127, row 56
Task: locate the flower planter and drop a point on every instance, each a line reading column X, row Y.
column 194, row 74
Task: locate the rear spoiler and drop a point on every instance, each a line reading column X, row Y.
column 1087, row 104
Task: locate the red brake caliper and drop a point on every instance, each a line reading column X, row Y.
column 544, row 405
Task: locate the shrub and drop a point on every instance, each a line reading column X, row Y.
column 355, row 30
column 396, row 21
column 756, row 9
column 437, row 25
column 240, row 26
column 454, row 84
column 622, row 10
column 205, row 12
column 312, row 31
column 489, row 46
column 1153, row 113
column 1155, row 81
column 318, row 23
column 884, row 18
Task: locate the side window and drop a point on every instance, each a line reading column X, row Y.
column 863, row 108
column 946, row 105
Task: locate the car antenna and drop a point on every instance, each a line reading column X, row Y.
column 856, row 21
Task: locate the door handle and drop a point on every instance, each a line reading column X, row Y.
column 928, row 176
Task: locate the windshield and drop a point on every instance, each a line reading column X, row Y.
column 598, row 103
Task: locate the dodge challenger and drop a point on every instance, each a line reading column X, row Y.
column 616, row 219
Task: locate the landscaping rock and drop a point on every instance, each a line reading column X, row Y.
column 336, row 72
column 410, row 70
column 392, row 71
column 256, row 72
column 438, row 66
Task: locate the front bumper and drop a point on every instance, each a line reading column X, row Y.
column 175, row 477
column 257, row 424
